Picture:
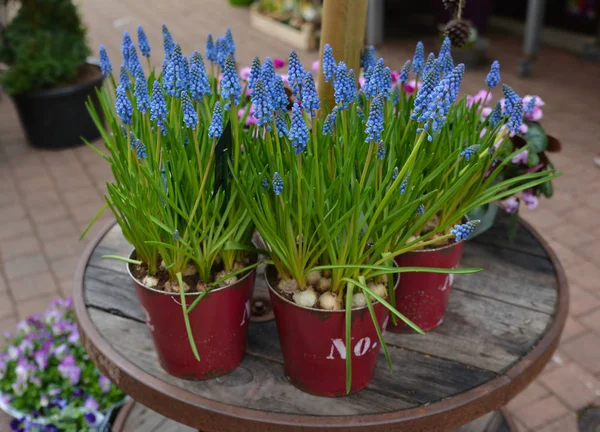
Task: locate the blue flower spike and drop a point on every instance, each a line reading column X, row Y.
column 143, row 43
column 418, row 59
column 496, row 115
column 469, row 152
column 190, row 116
column 158, row 106
column 231, row 89
column 381, row 150
column 493, row 77
column 215, row 129
column 310, row 98
column 211, row 53
column 510, row 99
column 421, row 209
column 463, row 231
column 375, row 121
column 105, row 65
column 123, row 105
column 404, row 73
column 125, row 45
column 328, row 63
column 141, row 94
column 140, row 150
column 298, row 132
column 263, row 111
column 199, row 84
column 277, row 184
column 515, row 120
column 168, row 43
column 296, row 72
column 254, row 73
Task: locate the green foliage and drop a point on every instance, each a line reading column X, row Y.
column 44, row 45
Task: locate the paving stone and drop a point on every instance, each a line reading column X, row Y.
column 585, row 351
column 19, row 246
column 567, row 423
column 575, row 387
column 532, row 393
column 592, row 320
column 580, row 301
column 25, row 265
column 572, row 328
column 33, row 285
column 541, row 412
column 34, row 305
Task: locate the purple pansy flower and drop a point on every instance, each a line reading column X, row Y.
column 91, row 404
column 90, row 417
column 68, row 369
column 104, row 383
column 521, row 158
column 531, row 201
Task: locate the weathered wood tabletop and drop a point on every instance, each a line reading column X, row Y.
column 501, row 328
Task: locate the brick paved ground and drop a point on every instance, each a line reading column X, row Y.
column 47, row 198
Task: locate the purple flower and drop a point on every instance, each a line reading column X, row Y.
column 44, row 401
column 19, row 386
column 61, row 351
column 50, row 428
column 521, row 158
column 54, row 391
column 14, row 352
column 74, row 336
column 104, row 383
column 7, row 334
column 91, row 404
column 78, row 392
column 90, row 418
column 68, row 369
column 59, row 402
column 41, row 359
column 510, row 205
column 531, row 201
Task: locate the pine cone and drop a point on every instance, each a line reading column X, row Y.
column 458, row 32
column 451, row 6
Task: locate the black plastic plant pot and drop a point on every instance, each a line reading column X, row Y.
column 58, row 118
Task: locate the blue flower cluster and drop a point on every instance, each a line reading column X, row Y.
column 419, row 59
column 215, row 130
column 211, row 53
column 510, row 99
column 123, row 105
column 421, row 209
column 231, row 90
column 199, row 84
column 254, row 73
column 133, row 62
column 430, row 64
column 125, row 45
column 277, row 183
column 368, row 59
column 310, row 98
column 404, row 73
column 343, row 89
column 140, row 150
column 158, row 107
column 264, row 183
column 493, row 76
column 105, row 65
column 267, row 73
column 462, row 232
column 404, row 184
column 298, row 132
column 469, row 152
column 330, row 121
column 375, row 80
column 281, row 123
column 141, row 94
column 143, row 43
column 530, row 105
column 329, row 64
column 515, row 120
column 279, row 97
column 168, row 43
column 263, row 111
column 296, row 73
column 190, row 116
column 375, row 121
column 496, row 115
column 381, row 150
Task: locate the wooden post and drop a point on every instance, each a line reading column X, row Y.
column 343, row 27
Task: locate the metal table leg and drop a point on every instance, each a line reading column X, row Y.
column 375, row 22
column 533, row 29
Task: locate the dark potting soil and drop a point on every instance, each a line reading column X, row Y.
column 140, row 271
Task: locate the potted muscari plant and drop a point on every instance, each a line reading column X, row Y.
column 329, row 223
column 458, row 152
column 47, row 381
column 48, row 77
column 169, row 150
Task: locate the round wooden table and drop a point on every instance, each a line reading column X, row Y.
column 501, row 329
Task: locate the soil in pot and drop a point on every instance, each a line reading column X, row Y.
column 58, row 117
column 219, row 322
column 313, row 342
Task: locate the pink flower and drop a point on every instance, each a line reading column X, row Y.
column 521, row 158
column 486, row 111
column 104, row 383
column 510, row 205
column 410, row 87
column 361, row 81
column 523, row 128
column 245, row 73
column 482, row 133
column 531, row 201
column 278, row 63
column 483, row 97
column 395, row 76
column 316, row 65
column 91, row 404
column 536, row 114
column 286, row 81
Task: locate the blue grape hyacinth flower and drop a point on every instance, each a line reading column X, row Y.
column 222, row 51
column 281, row 123
column 105, row 65
column 510, row 99
column 329, row 64
column 264, row 183
column 267, row 73
column 231, row 89
column 141, row 94
column 298, row 132
column 190, row 116
column 199, row 84
column 279, row 97
column 211, row 53
column 404, row 184
column 375, row 80
column 493, row 76
column 125, row 45
column 143, row 43
column 123, row 105
column 463, row 231
column 168, row 43
column 263, row 110
column 496, row 115
column 158, row 107
column 140, row 150
column 254, row 73
column 381, row 150
column 133, row 62
column 470, row 151
column 404, row 73
column 215, row 130
column 530, row 106
column 515, row 120
column 419, row 59
column 277, row 183
column 296, row 72
column 330, row 121
column 375, row 121
column 368, row 59
column 230, row 42
column 310, row 98
column 421, row 209
column 429, row 64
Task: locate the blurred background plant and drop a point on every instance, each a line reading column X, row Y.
column 44, row 45
column 293, row 12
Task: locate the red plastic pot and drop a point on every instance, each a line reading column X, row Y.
column 423, row 297
column 219, row 324
column 313, row 343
